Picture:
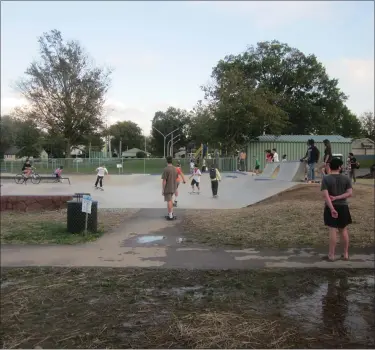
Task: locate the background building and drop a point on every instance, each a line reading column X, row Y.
column 294, row 146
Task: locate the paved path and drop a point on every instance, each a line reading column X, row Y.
column 123, row 248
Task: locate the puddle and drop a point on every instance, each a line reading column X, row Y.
column 149, row 239
column 180, row 240
column 9, row 283
column 183, row 290
column 341, row 305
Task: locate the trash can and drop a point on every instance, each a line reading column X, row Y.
column 76, row 218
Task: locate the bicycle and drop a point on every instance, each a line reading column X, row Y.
column 34, row 177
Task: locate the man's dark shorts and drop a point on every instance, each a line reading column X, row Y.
column 194, row 182
column 257, row 167
column 344, row 219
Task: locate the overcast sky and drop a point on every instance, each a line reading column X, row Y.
column 162, row 52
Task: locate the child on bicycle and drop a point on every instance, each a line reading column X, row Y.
column 58, row 172
column 26, row 168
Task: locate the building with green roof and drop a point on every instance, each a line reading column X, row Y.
column 294, row 146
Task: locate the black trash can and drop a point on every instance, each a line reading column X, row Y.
column 76, row 218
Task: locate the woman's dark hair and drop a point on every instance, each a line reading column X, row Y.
column 351, row 154
column 327, row 143
column 284, row 156
column 311, row 142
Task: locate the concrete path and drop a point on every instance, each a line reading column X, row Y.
column 148, row 240
column 141, row 191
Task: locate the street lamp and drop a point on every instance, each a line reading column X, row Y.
column 171, row 148
column 165, row 136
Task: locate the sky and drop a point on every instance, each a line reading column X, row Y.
column 163, row 52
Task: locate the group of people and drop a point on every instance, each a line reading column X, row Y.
column 27, row 170
column 172, row 177
column 312, row 157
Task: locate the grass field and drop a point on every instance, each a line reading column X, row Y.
column 49, row 227
column 292, row 219
column 160, row 309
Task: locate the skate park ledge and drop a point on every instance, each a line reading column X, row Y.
column 33, row 203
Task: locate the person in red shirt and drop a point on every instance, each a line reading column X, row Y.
column 180, row 176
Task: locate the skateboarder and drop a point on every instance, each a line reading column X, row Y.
column 101, row 171
column 180, row 176
column 215, row 178
column 169, row 186
column 196, row 178
column 336, row 189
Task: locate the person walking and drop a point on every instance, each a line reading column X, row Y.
column 257, row 166
column 169, row 186
column 337, row 188
column 101, row 171
column 215, row 178
column 243, row 161
column 354, row 165
column 312, row 157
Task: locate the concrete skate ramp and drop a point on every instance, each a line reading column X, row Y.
column 268, row 171
column 145, row 191
column 292, row 171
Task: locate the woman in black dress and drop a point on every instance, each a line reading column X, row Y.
column 325, row 167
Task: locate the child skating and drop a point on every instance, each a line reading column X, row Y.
column 196, row 179
column 180, row 176
column 101, row 171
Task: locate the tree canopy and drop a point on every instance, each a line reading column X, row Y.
column 273, row 88
column 128, row 132
column 64, row 90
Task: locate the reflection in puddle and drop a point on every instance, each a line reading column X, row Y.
column 149, row 239
column 342, row 305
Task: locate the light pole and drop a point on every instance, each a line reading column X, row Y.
column 171, row 148
column 165, row 136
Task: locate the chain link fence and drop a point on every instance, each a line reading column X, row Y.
column 114, row 165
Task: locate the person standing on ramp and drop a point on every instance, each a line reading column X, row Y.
column 169, row 186
column 101, row 171
column 215, row 178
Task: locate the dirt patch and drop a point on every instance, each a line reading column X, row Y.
column 49, row 227
column 293, row 218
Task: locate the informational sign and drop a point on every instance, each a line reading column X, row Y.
column 119, row 166
column 86, row 204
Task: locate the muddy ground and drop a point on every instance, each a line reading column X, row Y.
column 153, row 308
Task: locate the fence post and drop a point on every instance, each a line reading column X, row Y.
column 11, row 167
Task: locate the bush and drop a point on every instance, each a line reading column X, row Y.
column 141, row 154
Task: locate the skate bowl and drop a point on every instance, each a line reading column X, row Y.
column 142, row 191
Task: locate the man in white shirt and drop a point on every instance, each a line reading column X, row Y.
column 101, row 171
column 275, row 156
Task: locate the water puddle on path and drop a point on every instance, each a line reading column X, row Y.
column 344, row 305
column 149, row 239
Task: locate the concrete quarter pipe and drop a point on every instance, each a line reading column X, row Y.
column 268, row 172
column 284, row 171
column 292, row 171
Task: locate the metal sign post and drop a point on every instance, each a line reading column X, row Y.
column 86, row 208
column 119, row 167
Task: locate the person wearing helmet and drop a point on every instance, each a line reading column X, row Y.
column 180, row 176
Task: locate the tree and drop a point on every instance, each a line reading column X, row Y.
column 128, row 132
column 141, row 154
column 273, row 88
column 65, row 92
column 368, row 125
column 166, row 122
column 7, row 134
column 202, row 126
column 348, row 124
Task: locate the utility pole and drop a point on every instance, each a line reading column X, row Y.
column 120, row 148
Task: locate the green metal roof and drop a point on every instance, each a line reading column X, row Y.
column 303, row 138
